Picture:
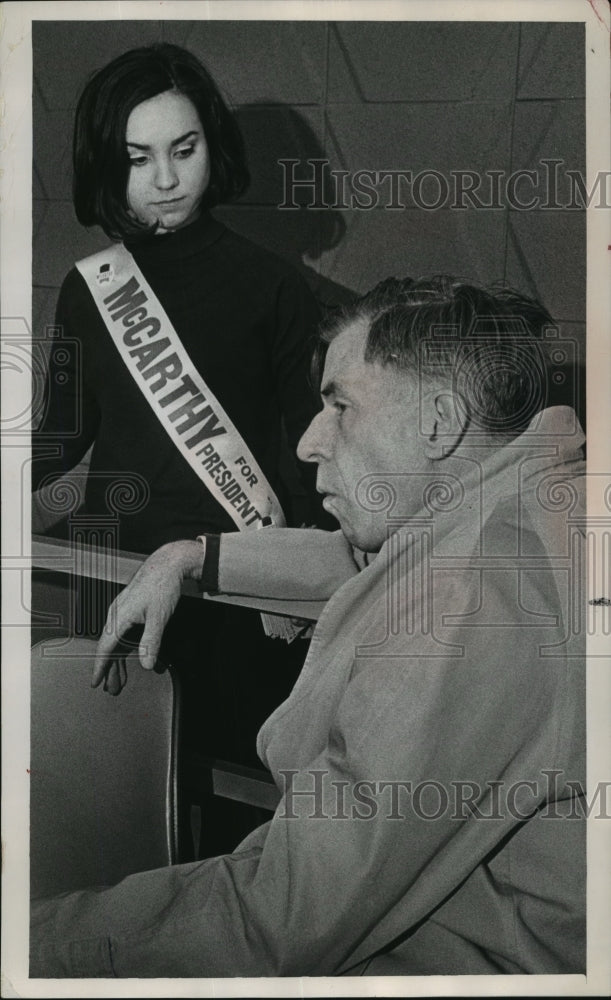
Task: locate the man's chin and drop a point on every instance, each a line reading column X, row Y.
column 362, row 540
column 360, row 536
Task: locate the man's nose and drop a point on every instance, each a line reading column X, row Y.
column 165, row 174
column 316, row 441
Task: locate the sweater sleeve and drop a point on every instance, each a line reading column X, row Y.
column 71, row 414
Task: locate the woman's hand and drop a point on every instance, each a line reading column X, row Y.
column 149, row 599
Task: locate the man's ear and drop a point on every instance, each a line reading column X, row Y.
column 444, row 422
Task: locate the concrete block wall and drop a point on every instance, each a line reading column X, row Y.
column 364, row 96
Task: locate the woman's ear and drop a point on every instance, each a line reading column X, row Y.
column 445, row 421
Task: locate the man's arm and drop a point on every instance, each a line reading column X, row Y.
column 285, row 563
column 289, row 563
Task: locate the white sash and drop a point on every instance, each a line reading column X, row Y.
column 177, row 394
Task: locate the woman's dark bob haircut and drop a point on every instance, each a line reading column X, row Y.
column 101, row 163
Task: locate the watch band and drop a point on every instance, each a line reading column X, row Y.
column 209, row 580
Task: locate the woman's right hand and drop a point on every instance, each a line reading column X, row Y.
column 149, row 599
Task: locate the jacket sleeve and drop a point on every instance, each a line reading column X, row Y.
column 341, row 869
column 71, row 415
column 285, row 563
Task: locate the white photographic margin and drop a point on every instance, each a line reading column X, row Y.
column 15, row 270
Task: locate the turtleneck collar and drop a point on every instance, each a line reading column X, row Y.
column 182, row 243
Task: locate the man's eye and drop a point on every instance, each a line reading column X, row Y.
column 184, row 152
column 339, row 407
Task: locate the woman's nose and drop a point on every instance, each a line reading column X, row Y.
column 165, row 175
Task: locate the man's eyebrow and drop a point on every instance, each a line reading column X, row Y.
column 174, row 142
column 328, row 389
column 333, row 388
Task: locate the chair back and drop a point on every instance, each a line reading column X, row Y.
column 102, row 771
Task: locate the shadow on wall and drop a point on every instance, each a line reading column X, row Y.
column 287, row 208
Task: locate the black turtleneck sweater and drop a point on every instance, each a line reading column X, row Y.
column 245, row 318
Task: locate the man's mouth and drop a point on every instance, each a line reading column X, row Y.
column 328, row 499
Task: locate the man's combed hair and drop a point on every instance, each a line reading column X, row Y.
column 101, row 163
column 486, row 342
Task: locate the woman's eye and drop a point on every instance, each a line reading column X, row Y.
column 339, row 407
column 138, row 161
column 184, row 152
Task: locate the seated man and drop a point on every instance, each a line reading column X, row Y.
column 433, row 746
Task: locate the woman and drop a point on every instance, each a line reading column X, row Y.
column 155, row 148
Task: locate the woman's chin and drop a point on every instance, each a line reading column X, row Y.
column 171, row 221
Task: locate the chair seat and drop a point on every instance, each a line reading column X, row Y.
column 102, row 770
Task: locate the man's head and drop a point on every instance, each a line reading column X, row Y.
column 412, row 372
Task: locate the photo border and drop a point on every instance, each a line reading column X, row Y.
column 15, row 270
